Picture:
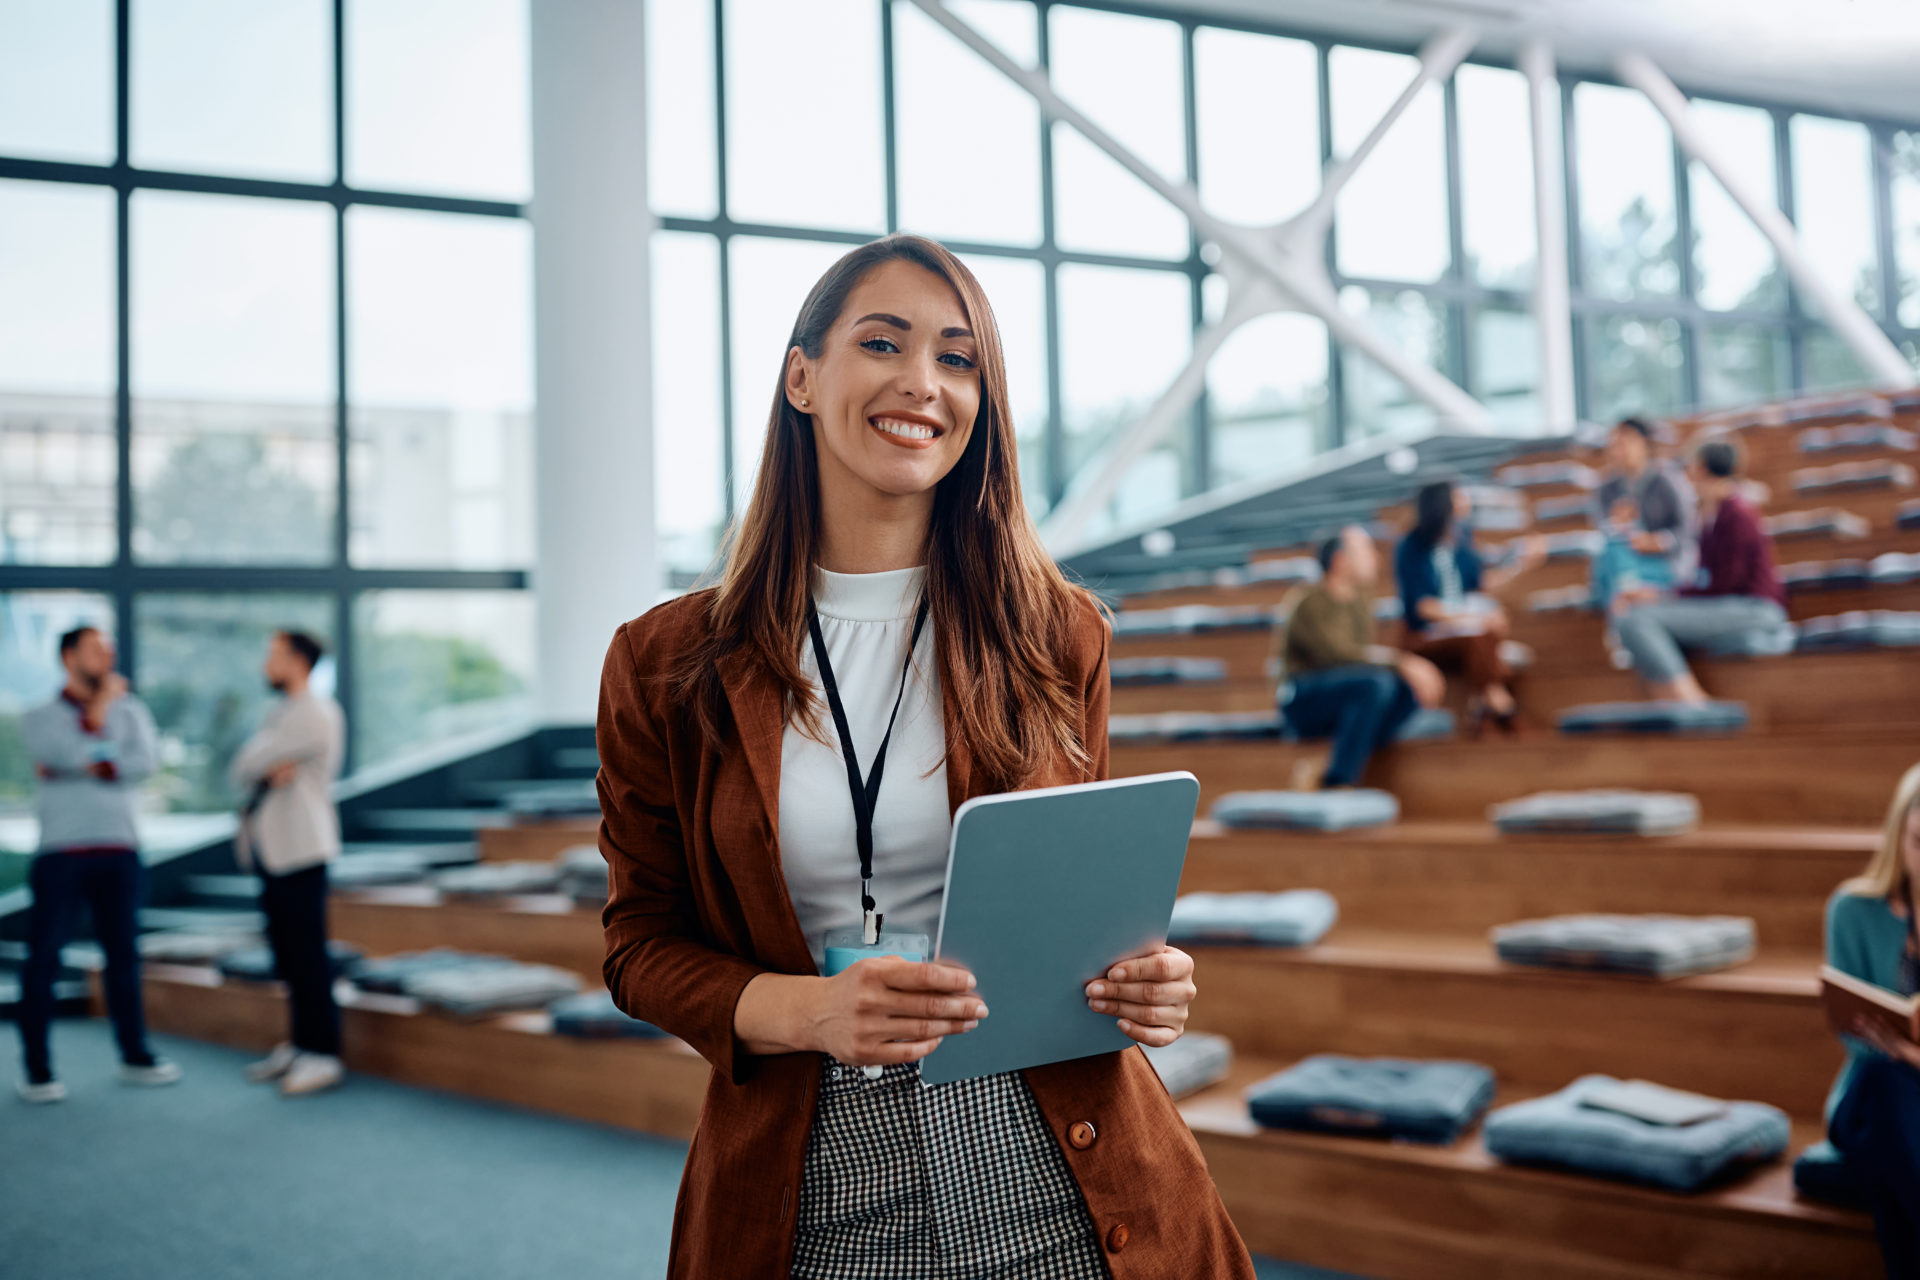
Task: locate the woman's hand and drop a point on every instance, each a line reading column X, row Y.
column 1149, row 994
column 874, row 1012
column 1886, row 1042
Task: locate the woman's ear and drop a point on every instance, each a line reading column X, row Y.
column 799, row 381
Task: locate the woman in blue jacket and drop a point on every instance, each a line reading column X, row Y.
column 1873, row 1114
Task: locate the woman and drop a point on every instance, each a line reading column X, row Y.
column 886, row 533
column 1873, row 1113
column 1738, row 590
column 1448, row 622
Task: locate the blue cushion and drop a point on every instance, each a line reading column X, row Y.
column 1194, row 726
column 1194, row 1062
column 1148, row 671
column 1825, row 520
column 389, row 974
column 1657, row 946
column 1654, row 717
column 1539, row 475
column 1428, row 724
column 1894, row 568
column 1607, row 812
column 592, row 1015
column 1383, row 1097
column 476, row 990
column 498, row 879
column 1854, row 475
column 1561, row 600
column 1190, row 619
column 1562, row 508
column 1834, row 410
column 1560, row 1130
column 1858, row 436
column 1881, row 629
column 1821, row 1173
column 255, row 964
column 1297, row 918
column 1306, row 810
column 1909, row 514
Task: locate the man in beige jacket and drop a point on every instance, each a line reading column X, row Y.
column 289, row 832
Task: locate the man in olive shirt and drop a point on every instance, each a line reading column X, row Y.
column 1336, row 683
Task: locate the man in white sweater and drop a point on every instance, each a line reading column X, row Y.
column 91, row 747
column 289, row 831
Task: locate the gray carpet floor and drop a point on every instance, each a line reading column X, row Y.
column 215, row 1179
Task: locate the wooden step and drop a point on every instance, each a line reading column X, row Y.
column 654, row 1086
column 1755, row 1032
column 1398, row 1211
column 541, row 929
column 1792, row 778
column 1464, row 877
column 538, row 841
column 1806, row 690
column 1407, row 1211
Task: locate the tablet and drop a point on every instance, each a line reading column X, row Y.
column 1046, row 889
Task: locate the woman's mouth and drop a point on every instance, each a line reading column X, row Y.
column 908, row 433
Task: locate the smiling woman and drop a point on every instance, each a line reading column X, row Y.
column 887, row 562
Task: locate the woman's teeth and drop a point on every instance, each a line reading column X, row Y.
column 907, row 430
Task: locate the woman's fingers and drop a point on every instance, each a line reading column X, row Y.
column 1158, row 1037
column 1152, row 1015
column 917, row 975
column 1168, row 964
column 1181, row 992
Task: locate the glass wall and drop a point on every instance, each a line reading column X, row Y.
column 1100, row 284
column 266, row 362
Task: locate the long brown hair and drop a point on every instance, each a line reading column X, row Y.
column 1002, row 612
column 1886, row 874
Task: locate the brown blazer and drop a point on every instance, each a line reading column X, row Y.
column 698, row 906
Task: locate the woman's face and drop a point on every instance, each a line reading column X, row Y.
column 895, row 389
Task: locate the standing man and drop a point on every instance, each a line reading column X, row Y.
column 91, row 747
column 289, row 831
column 1336, row 682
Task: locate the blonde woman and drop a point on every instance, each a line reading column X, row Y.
column 1873, row 1115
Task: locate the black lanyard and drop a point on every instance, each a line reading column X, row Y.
column 1910, row 953
column 864, row 794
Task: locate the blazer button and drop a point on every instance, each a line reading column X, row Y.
column 1118, row 1237
column 1081, row 1135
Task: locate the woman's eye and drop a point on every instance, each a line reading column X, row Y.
column 879, row 344
column 957, row 360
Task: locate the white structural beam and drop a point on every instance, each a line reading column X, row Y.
column 1552, row 310
column 1299, row 278
column 1855, row 327
column 595, row 561
column 1438, row 57
column 1084, row 501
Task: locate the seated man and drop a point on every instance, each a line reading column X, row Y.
column 1737, row 587
column 1646, row 510
column 1335, row 681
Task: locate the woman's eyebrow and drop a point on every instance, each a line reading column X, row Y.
column 955, row 331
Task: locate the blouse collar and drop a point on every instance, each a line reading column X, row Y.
column 868, row 597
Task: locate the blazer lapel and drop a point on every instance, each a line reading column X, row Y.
column 759, row 724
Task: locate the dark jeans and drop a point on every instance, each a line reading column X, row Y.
column 111, row 883
column 1360, row 707
column 296, row 909
column 1877, row 1128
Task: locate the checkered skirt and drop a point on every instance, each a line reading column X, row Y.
column 905, row 1182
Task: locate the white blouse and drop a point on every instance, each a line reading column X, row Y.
column 865, row 619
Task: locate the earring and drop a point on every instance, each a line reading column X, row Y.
column 803, row 402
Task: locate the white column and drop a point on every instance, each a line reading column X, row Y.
column 596, row 563
column 1550, row 306
column 1855, row 327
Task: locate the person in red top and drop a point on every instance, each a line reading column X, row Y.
column 1736, row 594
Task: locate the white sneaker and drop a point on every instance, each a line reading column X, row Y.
column 161, row 1071
column 310, row 1073
column 274, row 1065
column 40, row 1094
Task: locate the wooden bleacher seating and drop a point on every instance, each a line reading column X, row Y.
column 1789, row 808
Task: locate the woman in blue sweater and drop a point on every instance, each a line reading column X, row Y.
column 1873, row 1114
